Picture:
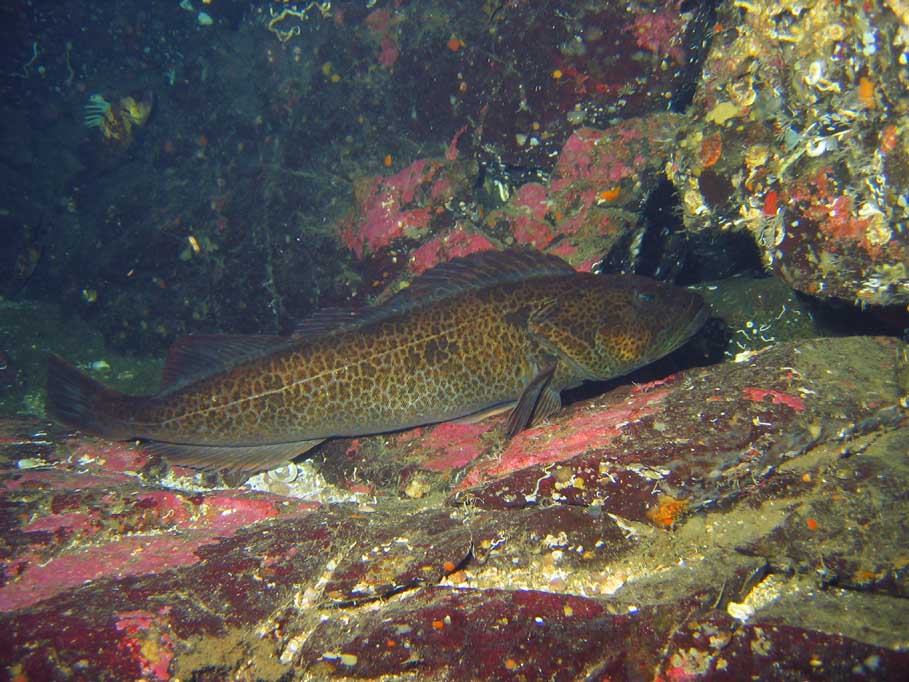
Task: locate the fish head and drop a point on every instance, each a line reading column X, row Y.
column 614, row 324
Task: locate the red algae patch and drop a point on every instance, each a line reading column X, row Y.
column 147, row 641
column 115, row 457
column 137, row 555
column 189, row 524
column 225, row 514
column 452, row 446
column 578, row 434
column 77, row 521
column 759, row 395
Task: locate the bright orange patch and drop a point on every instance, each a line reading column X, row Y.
column 448, row 566
column 610, row 194
column 771, row 203
column 387, row 161
column 711, row 150
column 812, row 523
column 437, row 625
column 888, row 138
column 667, row 511
column 454, row 44
column 866, row 92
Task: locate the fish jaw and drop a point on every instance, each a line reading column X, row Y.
column 658, row 319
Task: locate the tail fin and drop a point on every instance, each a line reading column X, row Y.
column 78, row 401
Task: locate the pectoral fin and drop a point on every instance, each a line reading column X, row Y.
column 246, row 458
column 537, row 401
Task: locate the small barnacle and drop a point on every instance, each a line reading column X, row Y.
column 742, row 92
column 756, row 155
column 835, row 32
column 815, row 72
column 693, row 202
column 815, row 77
column 878, row 233
column 287, row 473
column 816, row 147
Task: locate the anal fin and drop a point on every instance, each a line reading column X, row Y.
column 476, row 417
column 245, row 458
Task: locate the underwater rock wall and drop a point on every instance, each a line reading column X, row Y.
column 799, row 134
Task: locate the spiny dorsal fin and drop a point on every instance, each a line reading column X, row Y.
column 459, row 275
column 192, row 357
column 332, row 321
column 478, row 271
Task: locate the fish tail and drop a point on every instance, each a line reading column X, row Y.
column 78, row 401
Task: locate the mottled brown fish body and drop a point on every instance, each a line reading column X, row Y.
column 463, row 355
column 467, row 352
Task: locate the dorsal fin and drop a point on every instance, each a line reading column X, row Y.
column 466, row 273
column 332, row 320
column 477, row 271
column 192, row 357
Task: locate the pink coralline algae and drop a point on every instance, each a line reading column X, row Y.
column 577, row 156
column 114, row 456
column 660, row 32
column 452, row 152
column 531, row 203
column 75, row 522
column 168, row 508
column 147, row 641
column 775, row 397
column 601, row 158
column 226, row 513
column 136, row 555
column 55, row 479
column 444, row 247
column 380, row 23
column 451, row 446
column 573, row 436
column 534, row 198
column 547, row 551
column 384, row 205
column 400, row 206
column 389, row 52
column 203, row 520
column 599, row 177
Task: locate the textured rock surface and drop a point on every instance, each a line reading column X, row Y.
column 798, row 134
column 739, row 520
